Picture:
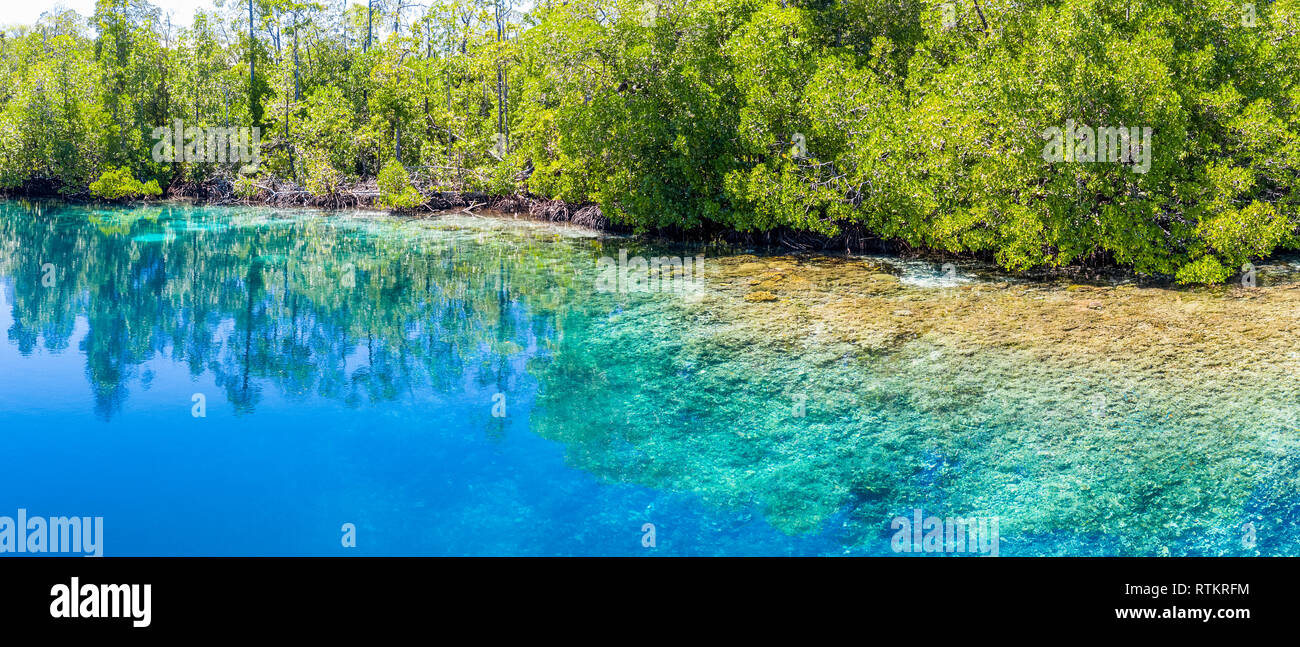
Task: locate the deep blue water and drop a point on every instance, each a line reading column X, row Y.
column 311, row 422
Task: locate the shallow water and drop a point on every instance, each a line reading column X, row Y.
column 462, row 386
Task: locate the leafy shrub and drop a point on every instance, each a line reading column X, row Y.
column 117, row 184
column 395, row 190
column 1206, row 269
column 245, row 187
column 320, row 177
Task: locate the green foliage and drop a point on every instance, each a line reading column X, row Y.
column 319, row 176
column 329, row 128
column 245, row 187
column 117, row 184
column 1206, row 269
column 395, row 190
column 708, row 114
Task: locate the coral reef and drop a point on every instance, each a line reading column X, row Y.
column 1106, row 419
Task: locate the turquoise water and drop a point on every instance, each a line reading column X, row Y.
column 460, row 386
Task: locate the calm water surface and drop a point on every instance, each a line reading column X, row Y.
column 350, row 366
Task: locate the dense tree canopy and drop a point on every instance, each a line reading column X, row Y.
column 925, row 122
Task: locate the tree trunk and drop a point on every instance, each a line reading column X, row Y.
column 503, row 124
column 297, row 88
column 252, row 73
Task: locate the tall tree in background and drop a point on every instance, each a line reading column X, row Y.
column 253, row 106
column 503, row 93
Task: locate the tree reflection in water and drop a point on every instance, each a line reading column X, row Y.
column 354, row 309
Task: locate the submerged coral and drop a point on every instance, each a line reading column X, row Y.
column 1099, row 419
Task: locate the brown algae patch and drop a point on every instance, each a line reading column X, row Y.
column 1194, row 329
